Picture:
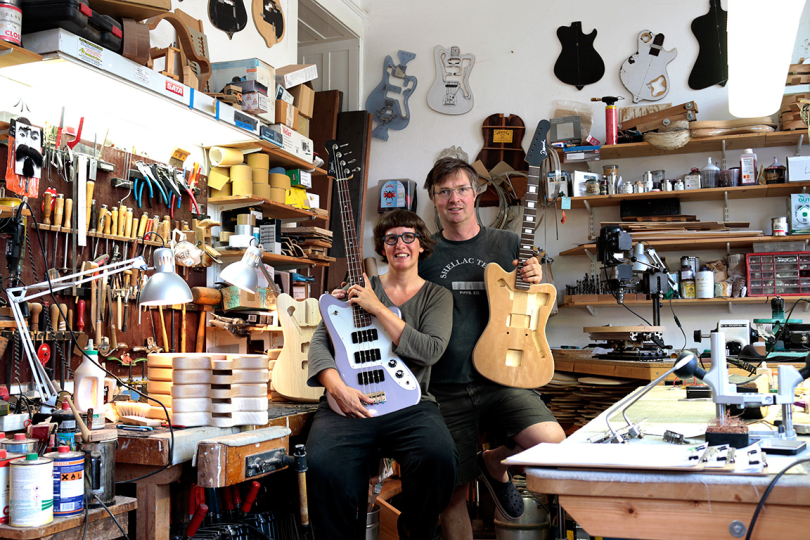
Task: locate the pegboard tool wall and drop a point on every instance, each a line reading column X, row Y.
column 104, row 193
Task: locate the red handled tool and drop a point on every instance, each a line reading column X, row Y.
column 72, row 144
column 196, row 521
column 251, row 497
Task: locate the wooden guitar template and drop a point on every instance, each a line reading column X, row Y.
column 513, row 350
column 269, row 20
column 711, row 65
column 451, row 93
column 193, row 42
column 298, row 319
column 579, row 63
column 388, row 102
column 644, row 74
column 230, row 16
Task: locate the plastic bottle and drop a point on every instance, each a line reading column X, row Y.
column 748, row 166
column 687, row 282
column 88, row 391
column 708, row 176
column 704, row 284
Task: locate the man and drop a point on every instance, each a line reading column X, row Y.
column 467, row 400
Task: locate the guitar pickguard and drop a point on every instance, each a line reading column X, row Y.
column 644, row 74
column 388, row 102
column 451, row 93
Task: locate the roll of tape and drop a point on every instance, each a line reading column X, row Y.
column 218, row 177
column 243, row 230
column 225, row 157
column 242, row 180
column 278, row 195
column 226, row 191
column 246, row 219
column 280, row 181
column 262, row 190
column 260, row 176
column 258, row 161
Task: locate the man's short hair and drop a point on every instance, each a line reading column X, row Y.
column 402, row 218
column 448, row 166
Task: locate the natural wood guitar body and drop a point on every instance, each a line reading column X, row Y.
column 513, row 350
column 298, row 318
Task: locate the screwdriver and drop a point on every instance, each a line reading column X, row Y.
column 68, row 217
column 58, row 211
column 102, row 218
column 93, row 212
column 46, row 217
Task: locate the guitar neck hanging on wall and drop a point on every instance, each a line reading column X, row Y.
column 579, row 63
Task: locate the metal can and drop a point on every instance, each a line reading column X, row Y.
column 779, row 226
column 692, row 262
column 20, row 444
column 640, row 187
column 68, row 482
column 31, row 491
column 10, row 21
column 610, row 169
column 5, row 459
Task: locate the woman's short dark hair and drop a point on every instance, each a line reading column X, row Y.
column 448, row 166
column 402, row 218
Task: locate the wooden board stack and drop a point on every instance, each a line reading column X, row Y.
column 210, row 389
column 315, row 241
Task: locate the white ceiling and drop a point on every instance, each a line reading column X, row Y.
column 317, row 25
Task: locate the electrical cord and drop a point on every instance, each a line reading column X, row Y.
column 615, row 293
column 120, row 528
column 778, row 335
column 768, row 491
column 75, row 342
column 678, row 322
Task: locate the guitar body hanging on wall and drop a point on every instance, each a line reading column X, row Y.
column 711, row 65
column 230, row 16
column 645, row 73
column 269, row 20
column 450, row 93
column 579, row 63
column 388, row 103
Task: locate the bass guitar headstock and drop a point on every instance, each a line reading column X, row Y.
column 339, row 163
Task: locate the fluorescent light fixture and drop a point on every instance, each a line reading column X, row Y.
column 242, row 274
column 165, row 287
column 758, row 65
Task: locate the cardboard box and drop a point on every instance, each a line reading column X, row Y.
column 259, row 104
column 303, row 124
column 798, row 168
column 234, row 298
column 295, row 74
column 267, row 134
column 281, row 93
column 300, row 178
column 314, row 200
column 297, row 198
column 304, row 97
column 286, row 114
column 249, row 69
column 250, row 86
column 294, row 143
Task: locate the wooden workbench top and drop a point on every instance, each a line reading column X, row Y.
column 99, row 526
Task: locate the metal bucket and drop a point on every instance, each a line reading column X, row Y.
column 532, row 525
column 102, row 452
column 373, row 524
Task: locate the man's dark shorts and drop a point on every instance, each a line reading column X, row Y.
column 501, row 411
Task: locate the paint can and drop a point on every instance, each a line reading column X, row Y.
column 20, row 444
column 5, row 459
column 68, row 482
column 10, row 21
column 779, row 226
column 31, row 493
column 99, row 467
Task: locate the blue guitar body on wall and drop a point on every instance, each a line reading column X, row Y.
column 388, row 102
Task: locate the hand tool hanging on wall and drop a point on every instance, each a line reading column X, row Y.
column 68, row 218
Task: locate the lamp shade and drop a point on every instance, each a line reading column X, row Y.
column 758, row 66
column 165, row 287
column 642, row 262
column 242, row 274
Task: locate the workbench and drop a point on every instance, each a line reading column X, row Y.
column 99, row 524
column 142, row 453
column 657, row 505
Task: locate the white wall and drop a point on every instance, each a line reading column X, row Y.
column 516, row 46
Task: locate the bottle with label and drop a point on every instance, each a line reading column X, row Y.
column 687, row 282
column 89, row 388
column 748, row 168
column 692, row 180
column 65, row 425
column 704, row 283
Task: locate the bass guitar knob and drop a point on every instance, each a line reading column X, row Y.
column 399, row 374
column 392, row 363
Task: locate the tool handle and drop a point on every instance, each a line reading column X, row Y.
column 69, row 319
column 111, row 226
column 80, row 308
column 90, row 187
column 59, row 209
column 128, row 224
column 102, row 218
column 142, row 225
column 62, row 311
column 196, row 521
column 237, row 496
column 34, row 310
column 122, row 220
column 79, row 422
column 54, row 315
column 251, row 496
column 46, row 218
column 228, row 498
column 68, row 213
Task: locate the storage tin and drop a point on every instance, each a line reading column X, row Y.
column 31, row 493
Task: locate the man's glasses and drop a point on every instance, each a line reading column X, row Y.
column 463, row 191
column 392, row 239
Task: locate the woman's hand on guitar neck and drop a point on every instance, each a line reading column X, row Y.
column 532, row 270
column 348, row 399
column 365, row 297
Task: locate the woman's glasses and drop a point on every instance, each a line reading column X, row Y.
column 408, row 238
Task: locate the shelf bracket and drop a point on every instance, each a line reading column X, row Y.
column 731, row 307
column 592, row 310
column 725, row 207
column 728, row 248
column 806, row 307
column 592, row 258
column 7, row 51
column 591, row 220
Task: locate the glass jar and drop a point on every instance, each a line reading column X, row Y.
column 708, row 175
column 592, row 187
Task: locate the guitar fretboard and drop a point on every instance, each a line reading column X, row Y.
column 353, row 250
column 529, row 224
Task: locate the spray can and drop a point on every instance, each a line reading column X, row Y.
column 68, row 482
column 611, row 118
column 5, row 460
column 66, row 426
column 31, row 491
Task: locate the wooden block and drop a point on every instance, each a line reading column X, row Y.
column 192, row 419
column 193, row 362
column 220, row 464
column 249, row 361
column 189, row 391
column 140, row 421
column 159, row 387
column 192, row 376
column 158, row 413
column 188, row 405
column 97, row 435
column 159, row 374
column 251, row 376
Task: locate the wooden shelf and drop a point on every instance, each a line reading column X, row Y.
column 712, row 194
column 5, row 210
column 280, row 262
column 11, row 55
column 675, row 302
column 699, row 243
column 269, row 208
column 704, row 144
column 278, row 157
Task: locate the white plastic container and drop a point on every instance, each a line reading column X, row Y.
column 704, row 283
column 89, row 388
column 748, row 168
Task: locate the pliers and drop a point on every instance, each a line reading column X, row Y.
column 138, row 190
column 150, row 179
column 167, row 176
column 193, row 207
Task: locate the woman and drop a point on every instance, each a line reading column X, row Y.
column 341, row 448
